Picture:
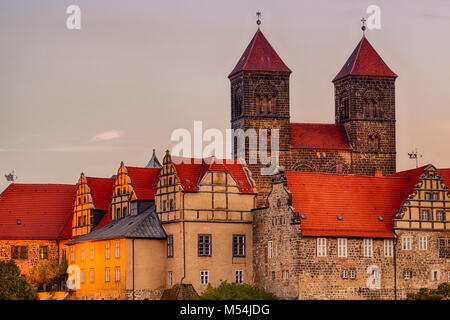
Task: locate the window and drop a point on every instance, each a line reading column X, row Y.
column 444, row 248
column 270, row 249
column 435, row 196
column 423, row 243
column 170, row 278
column 125, row 211
column 170, row 246
column 107, row 250
column 204, row 245
column 448, row 276
column 204, row 277
column 427, row 196
column 425, row 215
column 344, row 274
column 286, row 275
column 321, row 247
column 43, row 252
column 82, row 276
column 406, row 243
column 239, row 276
column 19, row 252
column 171, row 204
column 407, row 274
column 374, row 143
column 117, row 213
column 63, row 255
column 273, row 276
column 72, row 254
column 435, row 275
column 342, row 248
column 92, row 252
column 117, row 249
column 117, row 274
column 164, row 205
column 83, row 255
column 440, row 215
column 352, row 274
column 238, row 245
column 388, row 248
column 91, row 275
column 107, row 275
column 368, row 247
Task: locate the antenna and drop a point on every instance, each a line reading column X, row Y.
column 11, row 177
column 414, row 155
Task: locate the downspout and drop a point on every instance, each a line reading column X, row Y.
column 184, row 250
column 395, row 269
column 133, row 265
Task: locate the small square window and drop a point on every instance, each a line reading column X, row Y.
column 344, row 274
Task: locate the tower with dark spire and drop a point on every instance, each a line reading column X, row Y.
column 365, row 105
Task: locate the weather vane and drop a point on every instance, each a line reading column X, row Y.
column 363, row 28
column 11, row 177
column 414, row 155
column 258, row 22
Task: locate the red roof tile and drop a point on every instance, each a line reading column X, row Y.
column 445, row 175
column 143, row 181
column 365, row 61
column 44, row 211
column 413, row 177
column 319, row 136
column 101, row 191
column 191, row 171
column 259, row 56
column 359, row 200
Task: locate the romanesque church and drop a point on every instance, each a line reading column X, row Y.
column 362, row 139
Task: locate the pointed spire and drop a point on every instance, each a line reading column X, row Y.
column 365, row 61
column 260, row 56
column 154, row 162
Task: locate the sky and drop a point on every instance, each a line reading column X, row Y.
column 75, row 101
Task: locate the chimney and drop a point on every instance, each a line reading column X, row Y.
column 378, row 173
column 339, row 169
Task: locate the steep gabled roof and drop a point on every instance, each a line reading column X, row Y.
column 413, row 177
column 101, row 191
column 142, row 226
column 191, row 171
column 445, row 175
column 154, row 162
column 104, row 221
column 359, row 200
column 365, row 61
column 259, row 56
column 143, row 181
column 44, row 211
column 319, row 136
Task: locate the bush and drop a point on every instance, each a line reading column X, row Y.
column 48, row 273
column 12, row 285
column 235, row 291
column 441, row 293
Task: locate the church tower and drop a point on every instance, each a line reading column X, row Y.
column 365, row 105
column 260, row 99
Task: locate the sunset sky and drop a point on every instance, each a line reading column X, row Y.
column 85, row 100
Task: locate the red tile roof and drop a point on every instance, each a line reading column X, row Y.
column 319, row 136
column 101, row 191
column 191, row 171
column 413, row 177
column 143, row 181
column 44, row 211
column 365, row 61
column 359, row 200
column 445, row 175
column 260, row 56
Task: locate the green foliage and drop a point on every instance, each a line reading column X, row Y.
column 236, row 291
column 441, row 293
column 12, row 285
column 48, row 273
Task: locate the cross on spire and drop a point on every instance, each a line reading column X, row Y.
column 363, row 28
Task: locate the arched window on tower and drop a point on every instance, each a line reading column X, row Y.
column 374, row 143
column 372, row 103
column 266, row 99
column 237, row 102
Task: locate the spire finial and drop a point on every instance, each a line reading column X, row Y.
column 363, row 28
column 258, row 22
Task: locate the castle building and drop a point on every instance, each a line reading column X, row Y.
column 330, row 236
column 362, row 139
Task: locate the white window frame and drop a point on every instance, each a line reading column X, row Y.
column 82, row 276
column 107, row 274
column 117, row 274
column 239, row 276
column 72, row 254
column 388, row 247
column 108, row 250
column 423, row 243
column 92, row 252
column 170, row 278
column 117, row 250
column 368, row 247
column 435, row 272
column 83, row 253
column 406, row 242
column 344, row 274
column 91, row 275
column 270, row 249
column 285, row 275
column 352, row 274
column 342, row 247
column 321, row 247
column 204, row 277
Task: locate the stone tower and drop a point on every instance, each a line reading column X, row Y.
column 260, row 100
column 365, row 104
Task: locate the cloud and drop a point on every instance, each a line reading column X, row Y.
column 107, row 135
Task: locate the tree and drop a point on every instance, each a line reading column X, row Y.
column 12, row 285
column 441, row 293
column 48, row 273
column 235, row 291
